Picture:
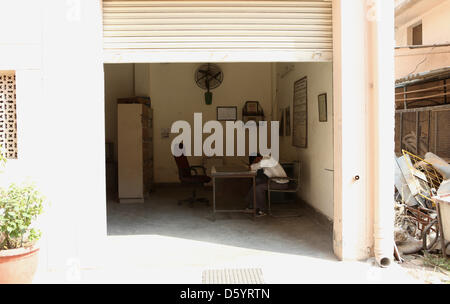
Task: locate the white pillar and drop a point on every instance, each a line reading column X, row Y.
column 72, row 115
column 352, row 227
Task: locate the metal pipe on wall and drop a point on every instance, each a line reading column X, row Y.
column 382, row 113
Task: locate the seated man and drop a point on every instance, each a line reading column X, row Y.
column 266, row 167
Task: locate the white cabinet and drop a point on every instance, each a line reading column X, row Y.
column 135, row 152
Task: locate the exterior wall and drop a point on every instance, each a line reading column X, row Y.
column 435, row 16
column 411, row 61
column 175, row 96
column 436, row 24
column 21, row 51
column 317, row 159
column 60, row 81
column 60, row 119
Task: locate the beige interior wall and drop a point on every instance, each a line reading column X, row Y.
column 119, row 83
column 317, row 159
column 175, row 96
column 141, row 79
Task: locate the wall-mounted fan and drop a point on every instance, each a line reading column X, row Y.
column 208, row 77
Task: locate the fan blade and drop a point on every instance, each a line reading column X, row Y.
column 201, row 78
column 208, row 76
column 215, row 76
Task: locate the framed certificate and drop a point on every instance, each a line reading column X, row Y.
column 323, row 116
column 226, row 113
column 281, row 119
column 287, row 119
column 300, row 114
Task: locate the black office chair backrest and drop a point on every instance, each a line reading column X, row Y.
column 184, row 170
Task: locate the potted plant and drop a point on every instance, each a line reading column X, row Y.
column 19, row 208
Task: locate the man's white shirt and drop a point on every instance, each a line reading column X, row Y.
column 272, row 168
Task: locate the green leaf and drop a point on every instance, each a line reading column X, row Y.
column 19, row 207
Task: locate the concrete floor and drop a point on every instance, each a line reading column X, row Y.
column 161, row 242
column 161, row 215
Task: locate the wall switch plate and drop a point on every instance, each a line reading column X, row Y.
column 165, row 132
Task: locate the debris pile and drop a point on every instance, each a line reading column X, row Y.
column 422, row 185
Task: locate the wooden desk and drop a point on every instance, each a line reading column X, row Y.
column 233, row 172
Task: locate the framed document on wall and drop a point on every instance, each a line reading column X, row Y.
column 226, row 113
column 281, row 119
column 287, row 119
column 323, row 116
column 300, row 114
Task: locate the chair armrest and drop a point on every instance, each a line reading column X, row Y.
column 194, row 168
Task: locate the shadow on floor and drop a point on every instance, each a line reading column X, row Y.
column 161, row 215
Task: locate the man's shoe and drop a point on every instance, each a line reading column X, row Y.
column 260, row 213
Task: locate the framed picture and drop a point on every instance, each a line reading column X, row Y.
column 226, row 113
column 281, row 120
column 300, row 114
column 287, row 119
column 323, row 115
column 252, row 107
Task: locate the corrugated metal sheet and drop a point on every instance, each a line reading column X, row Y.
column 152, row 31
column 423, row 77
column 431, row 124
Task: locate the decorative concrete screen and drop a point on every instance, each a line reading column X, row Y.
column 8, row 123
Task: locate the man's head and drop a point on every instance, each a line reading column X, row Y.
column 255, row 158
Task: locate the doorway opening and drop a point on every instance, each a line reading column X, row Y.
column 171, row 92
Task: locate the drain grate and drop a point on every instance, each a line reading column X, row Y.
column 233, row 276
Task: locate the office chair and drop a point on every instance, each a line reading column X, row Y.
column 189, row 175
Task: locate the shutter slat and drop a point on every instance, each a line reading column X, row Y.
column 140, row 28
column 237, row 39
column 219, row 45
column 200, row 4
column 242, row 18
column 216, row 26
column 261, row 23
column 218, row 33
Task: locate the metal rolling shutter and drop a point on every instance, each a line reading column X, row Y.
column 220, row 31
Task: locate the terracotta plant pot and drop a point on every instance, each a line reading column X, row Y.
column 18, row 266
